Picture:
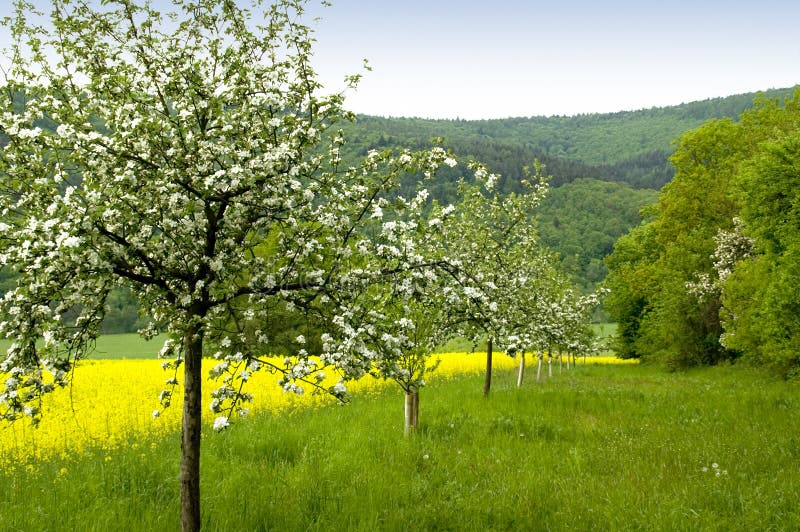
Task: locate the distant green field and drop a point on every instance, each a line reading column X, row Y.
column 604, row 330
column 127, row 346
column 117, row 346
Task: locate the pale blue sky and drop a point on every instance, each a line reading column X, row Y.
column 501, row 58
column 494, row 59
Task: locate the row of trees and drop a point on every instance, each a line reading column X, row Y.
column 711, row 275
column 192, row 159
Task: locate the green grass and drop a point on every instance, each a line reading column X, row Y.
column 599, row 447
column 604, row 331
column 118, row 346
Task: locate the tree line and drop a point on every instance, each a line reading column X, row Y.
column 711, row 274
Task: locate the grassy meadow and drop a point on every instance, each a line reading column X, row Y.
column 604, row 447
column 117, row 346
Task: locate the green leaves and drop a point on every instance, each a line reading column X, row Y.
column 686, row 287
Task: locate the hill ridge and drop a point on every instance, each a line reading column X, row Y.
column 627, row 146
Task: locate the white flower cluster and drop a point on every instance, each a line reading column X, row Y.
column 732, row 247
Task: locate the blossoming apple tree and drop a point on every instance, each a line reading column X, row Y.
column 191, row 157
column 398, row 321
column 514, row 292
column 495, row 237
column 535, row 276
column 564, row 327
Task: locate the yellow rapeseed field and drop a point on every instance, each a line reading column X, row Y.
column 111, row 403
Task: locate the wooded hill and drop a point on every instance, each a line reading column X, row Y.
column 604, row 167
column 632, row 147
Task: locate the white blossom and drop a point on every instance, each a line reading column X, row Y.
column 221, row 423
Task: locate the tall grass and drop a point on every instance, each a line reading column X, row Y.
column 598, row 447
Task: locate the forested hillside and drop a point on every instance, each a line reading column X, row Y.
column 583, row 219
column 604, row 168
column 631, row 147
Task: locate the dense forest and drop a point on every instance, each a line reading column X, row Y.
column 583, row 219
column 631, row 147
column 712, row 275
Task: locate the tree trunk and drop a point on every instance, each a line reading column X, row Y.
column 190, row 435
column 412, row 412
column 550, row 364
column 521, row 372
column 561, row 362
column 487, row 382
column 539, row 369
column 569, row 355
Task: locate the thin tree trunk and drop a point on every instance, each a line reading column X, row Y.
column 561, row 362
column 190, row 434
column 569, row 356
column 487, row 382
column 412, row 412
column 550, row 363
column 539, row 369
column 521, row 372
